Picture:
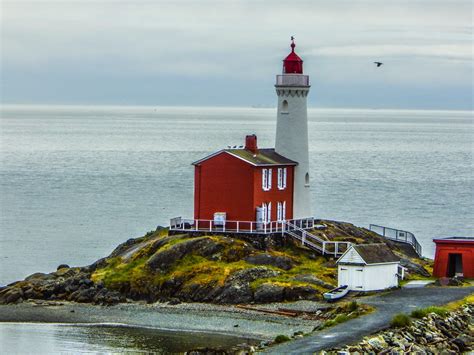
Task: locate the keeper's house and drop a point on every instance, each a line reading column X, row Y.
column 369, row 267
column 247, row 184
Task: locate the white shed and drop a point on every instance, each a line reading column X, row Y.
column 369, row 267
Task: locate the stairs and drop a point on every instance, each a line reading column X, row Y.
column 313, row 242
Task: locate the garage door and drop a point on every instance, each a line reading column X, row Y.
column 352, row 276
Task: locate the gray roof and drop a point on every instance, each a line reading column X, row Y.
column 468, row 239
column 376, row 253
column 264, row 157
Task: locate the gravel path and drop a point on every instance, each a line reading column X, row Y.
column 387, row 305
column 182, row 317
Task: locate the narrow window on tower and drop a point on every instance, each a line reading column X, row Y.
column 284, row 106
column 306, row 179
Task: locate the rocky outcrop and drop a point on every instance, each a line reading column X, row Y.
column 70, row 284
column 281, row 262
column 196, row 268
column 431, row 335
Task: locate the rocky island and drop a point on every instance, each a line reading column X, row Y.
column 205, row 268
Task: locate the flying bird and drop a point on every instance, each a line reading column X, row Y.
column 378, row 64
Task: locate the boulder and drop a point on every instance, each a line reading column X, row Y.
column 414, row 268
column 237, row 286
column 268, row 292
column 40, row 276
column 162, row 261
column 311, row 279
column 281, row 262
column 63, row 266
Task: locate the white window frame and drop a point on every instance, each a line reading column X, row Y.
column 266, row 179
column 282, row 174
column 281, row 211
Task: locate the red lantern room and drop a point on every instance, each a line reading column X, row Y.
column 292, row 64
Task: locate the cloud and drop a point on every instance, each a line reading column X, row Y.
column 241, row 41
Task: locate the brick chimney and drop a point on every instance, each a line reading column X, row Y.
column 251, row 143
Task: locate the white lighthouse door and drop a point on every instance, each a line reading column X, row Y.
column 260, row 217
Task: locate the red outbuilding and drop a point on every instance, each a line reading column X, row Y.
column 248, row 184
column 454, row 257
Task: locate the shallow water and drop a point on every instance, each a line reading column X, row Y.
column 77, row 181
column 40, row 338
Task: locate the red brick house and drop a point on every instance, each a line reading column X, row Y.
column 246, row 185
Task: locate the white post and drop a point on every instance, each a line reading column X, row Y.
column 336, row 249
column 303, row 238
column 251, row 224
column 197, row 224
column 324, row 247
column 237, row 226
column 210, row 226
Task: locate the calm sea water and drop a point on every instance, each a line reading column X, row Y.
column 34, row 338
column 77, row 181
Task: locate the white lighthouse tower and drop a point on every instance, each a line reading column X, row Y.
column 292, row 88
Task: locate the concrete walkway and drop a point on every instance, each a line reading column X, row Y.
column 387, row 305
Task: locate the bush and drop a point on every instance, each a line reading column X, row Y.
column 281, row 338
column 423, row 312
column 400, row 320
column 352, row 306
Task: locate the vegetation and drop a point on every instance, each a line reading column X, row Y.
column 423, row 312
column 400, row 320
column 457, row 304
column 281, row 339
column 345, row 312
column 160, row 265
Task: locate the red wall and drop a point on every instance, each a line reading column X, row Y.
column 274, row 195
column 224, row 183
column 446, row 247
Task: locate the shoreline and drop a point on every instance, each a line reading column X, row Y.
column 190, row 317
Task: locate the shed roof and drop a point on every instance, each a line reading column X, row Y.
column 377, row 253
column 264, row 157
column 454, row 240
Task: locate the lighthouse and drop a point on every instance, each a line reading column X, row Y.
column 292, row 88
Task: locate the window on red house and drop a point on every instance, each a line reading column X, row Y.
column 266, row 179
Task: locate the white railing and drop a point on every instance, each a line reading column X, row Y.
column 314, row 242
column 292, row 80
column 295, row 228
column 397, row 235
column 206, row 225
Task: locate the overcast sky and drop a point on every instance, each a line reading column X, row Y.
column 226, row 53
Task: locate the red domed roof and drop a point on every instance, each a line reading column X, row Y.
column 292, row 64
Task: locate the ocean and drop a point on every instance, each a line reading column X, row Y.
column 78, row 180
